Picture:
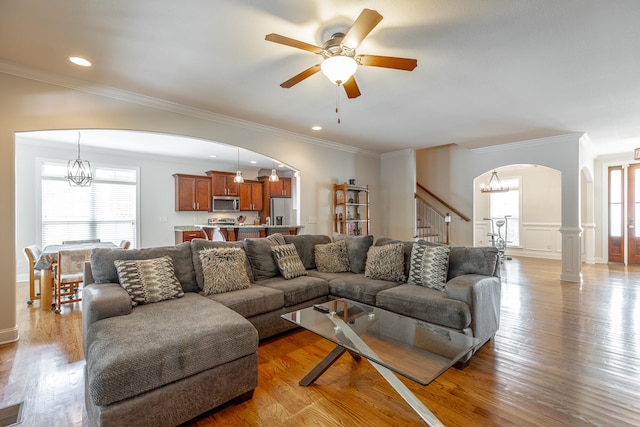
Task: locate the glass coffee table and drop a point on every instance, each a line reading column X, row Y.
column 393, row 343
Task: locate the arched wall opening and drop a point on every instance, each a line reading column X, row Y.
column 533, row 205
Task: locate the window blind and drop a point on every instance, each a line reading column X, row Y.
column 106, row 210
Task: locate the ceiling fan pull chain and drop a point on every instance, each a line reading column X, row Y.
column 338, row 102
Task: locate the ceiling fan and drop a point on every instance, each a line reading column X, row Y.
column 340, row 60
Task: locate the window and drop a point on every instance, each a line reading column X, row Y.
column 507, row 204
column 105, row 210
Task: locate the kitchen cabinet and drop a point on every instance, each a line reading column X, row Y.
column 222, row 183
column 251, row 196
column 281, row 188
column 193, row 192
column 187, row 236
column 351, row 209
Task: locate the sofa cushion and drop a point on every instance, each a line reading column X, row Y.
column 305, row 244
column 198, row 245
column 260, row 257
column 251, row 301
column 408, row 247
column 464, row 260
column 149, row 280
column 429, row 266
column 358, row 288
column 332, row 257
column 385, row 263
column 288, row 261
column 328, row 276
column 181, row 338
column 425, row 304
column 357, row 248
column 299, row 289
column 104, row 269
column 224, row 270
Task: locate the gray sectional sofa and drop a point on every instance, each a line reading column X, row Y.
column 164, row 363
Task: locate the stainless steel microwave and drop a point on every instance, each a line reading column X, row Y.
column 225, row 204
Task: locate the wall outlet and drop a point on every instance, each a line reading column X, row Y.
column 163, row 219
column 313, row 220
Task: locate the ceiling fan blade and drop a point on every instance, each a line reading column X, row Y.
column 277, row 38
column 300, row 77
column 407, row 64
column 366, row 22
column 351, row 87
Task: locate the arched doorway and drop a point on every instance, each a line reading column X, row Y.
column 532, row 207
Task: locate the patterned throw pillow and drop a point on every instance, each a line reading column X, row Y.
column 332, row 257
column 385, row 262
column 224, row 270
column 288, row 260
column 149, row 280
column 429, row 266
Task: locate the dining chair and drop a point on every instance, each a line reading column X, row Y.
column 77, row 242
column 124, row 244
column 69, row 276
column 33, row 253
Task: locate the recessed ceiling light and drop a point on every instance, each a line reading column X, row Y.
column 253, row 162
column 280, row 166
column 212, row 155
column 316, row 127
column 80, row 61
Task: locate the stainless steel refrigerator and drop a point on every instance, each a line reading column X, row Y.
column 282, row 211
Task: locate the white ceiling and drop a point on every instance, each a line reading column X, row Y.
column 489, row 72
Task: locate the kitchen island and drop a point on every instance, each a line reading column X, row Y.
column 236, row 232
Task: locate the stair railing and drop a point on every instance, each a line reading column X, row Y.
column 431, row 225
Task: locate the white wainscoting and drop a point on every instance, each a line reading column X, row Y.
column 537, row 240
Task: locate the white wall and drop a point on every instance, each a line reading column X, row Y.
column 28, row 105
column 398, row 186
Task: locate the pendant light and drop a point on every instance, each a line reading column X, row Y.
column 494, row 185
column 238, row 179
column 79, row 171
column 274, row 175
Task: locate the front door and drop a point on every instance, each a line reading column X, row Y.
column 633, row 213
column 624, row 214
column 616, row 214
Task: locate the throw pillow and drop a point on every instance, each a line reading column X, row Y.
column 288, row 260
column 149, row 280
column 385, row 263
column 332, row 257
column 429, row 266
column 224, row 270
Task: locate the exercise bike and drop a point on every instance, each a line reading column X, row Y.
column 496, row 239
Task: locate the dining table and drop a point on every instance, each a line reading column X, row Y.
column 49, row 257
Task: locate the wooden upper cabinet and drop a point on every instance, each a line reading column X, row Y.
column 222, row 183
column 193, row 192
column 251, row 196
column 280, row 188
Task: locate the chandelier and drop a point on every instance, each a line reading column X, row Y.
column 494, row 185
column 79, row 171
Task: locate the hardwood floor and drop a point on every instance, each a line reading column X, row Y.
column 566, row 354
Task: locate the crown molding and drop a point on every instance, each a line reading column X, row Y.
column 161, row 104
column 576, row 136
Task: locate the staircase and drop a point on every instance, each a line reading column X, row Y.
column 432, row 224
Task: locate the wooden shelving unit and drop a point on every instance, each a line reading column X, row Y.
column 351, row 209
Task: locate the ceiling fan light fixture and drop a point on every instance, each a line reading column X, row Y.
column 339, row 68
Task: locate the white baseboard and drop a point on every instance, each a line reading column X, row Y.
column 9, row 335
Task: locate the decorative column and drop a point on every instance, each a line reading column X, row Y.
column 571, row 254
